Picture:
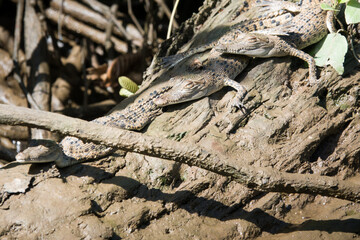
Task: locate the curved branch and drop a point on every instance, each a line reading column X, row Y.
column 258, row 178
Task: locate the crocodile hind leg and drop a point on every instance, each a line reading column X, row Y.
column 264, row 46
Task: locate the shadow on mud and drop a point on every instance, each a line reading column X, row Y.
column 190, row 202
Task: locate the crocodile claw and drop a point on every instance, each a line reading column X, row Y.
column 312, row 81
column 238, row 101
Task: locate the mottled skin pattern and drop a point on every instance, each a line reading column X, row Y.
column 134, row 117
column 72, row 150
column 215, row 71
column 268, row 19
column 305, row 29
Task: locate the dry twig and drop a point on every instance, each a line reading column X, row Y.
column 132, row 16
column 36, row 56
column 108, row 31
column 172, row 18
column 93, row 34
column 86, row 15
column 167, row 11
column 17, row 38
column 18, row 27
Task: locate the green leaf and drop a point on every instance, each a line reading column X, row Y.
column 342, row 1
column 331, row 50
column 125, row 93
column 352, row 12
column 327, row 7
column 128, row 84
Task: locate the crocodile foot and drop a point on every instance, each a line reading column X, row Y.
column 238, row 101
column 313, row 80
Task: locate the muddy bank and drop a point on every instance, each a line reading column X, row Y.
column 289, row 126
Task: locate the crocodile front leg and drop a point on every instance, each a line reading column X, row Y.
column 292, row 51
column 240, row 92
column 264, row 46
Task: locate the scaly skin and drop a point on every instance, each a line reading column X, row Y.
column 271, row 18
column 215, row 72
column 305, row 29
column 134, row 117
column 72, row 150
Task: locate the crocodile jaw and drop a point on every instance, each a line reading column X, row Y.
column 39, row 154
column 184, row 90
column 249, row 44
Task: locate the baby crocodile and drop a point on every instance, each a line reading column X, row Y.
column 307, row 28
column 213, row 73
column 72, row 150
column 268, row 19
column 216, row 69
